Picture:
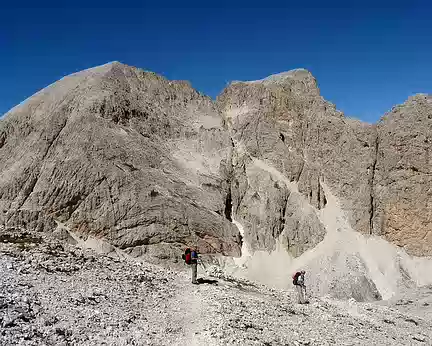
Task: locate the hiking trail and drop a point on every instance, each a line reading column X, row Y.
column 191, row 312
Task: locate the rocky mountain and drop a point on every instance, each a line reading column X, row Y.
column 121, row 154
column 402, row 186
column 270, row 173
column 379, row 173
column 313, row 189
column 282, row 121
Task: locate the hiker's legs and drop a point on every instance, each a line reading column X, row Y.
column 194, row 272
column 299, row 293
column 304, row 294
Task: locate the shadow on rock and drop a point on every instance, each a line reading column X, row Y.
column 207, row 281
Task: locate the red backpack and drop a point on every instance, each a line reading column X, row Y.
column 187, row 256
column 295, row 277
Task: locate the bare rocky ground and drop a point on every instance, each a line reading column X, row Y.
column 53, row 293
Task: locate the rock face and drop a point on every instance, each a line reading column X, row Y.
column 283, row 121
column 402, row 187
column 122, row 154
column 151, row 165
column 289, row 141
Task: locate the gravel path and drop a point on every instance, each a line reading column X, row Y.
column 55, row 294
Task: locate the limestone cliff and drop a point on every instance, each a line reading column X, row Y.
column 283, row 121
column 121, row 154
column 402, row 185
column 381, row 174
column 152, row 165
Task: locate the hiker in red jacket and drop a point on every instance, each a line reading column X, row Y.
column 299, row 283
column 194, row 265
column 191, row 258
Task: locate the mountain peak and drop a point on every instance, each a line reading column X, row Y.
column 299, row 74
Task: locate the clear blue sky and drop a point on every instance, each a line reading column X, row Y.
column 366, row 56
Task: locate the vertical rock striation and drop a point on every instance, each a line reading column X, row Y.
column 380, row 173
column 122, row 154
column 152, row 165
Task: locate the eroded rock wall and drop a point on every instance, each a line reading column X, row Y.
column 402, row 186
column 283, row 122
column 122, row 154
column 379, row 173
column 152, row 165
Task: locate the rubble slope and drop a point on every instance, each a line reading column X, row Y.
column 52, row 293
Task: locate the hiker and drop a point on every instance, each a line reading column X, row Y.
column 299, row 283
column 194, row 264
column 191, row 258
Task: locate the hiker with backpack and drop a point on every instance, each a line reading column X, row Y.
column 299, row 283
column 191, row 258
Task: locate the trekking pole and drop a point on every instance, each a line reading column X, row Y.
column 202, row 263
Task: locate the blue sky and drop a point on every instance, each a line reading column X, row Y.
column 366, row 55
